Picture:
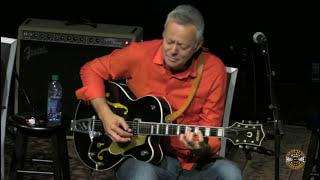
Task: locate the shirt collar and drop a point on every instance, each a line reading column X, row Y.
column 191, row 71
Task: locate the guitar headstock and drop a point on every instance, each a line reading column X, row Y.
column 247, row 134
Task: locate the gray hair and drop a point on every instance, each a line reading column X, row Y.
column 187, row 14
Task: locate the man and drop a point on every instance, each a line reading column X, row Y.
column 167, row 68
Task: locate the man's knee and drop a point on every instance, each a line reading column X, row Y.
column 225, row 169
column 135, row 169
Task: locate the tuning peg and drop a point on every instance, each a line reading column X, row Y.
column 242, row 121
column 240, row 146
column 257, row 122
column 249, row 122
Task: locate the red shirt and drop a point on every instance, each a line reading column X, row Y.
column 143, row 67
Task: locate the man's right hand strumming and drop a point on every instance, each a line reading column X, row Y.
column 115, row 126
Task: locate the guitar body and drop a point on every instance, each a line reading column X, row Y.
column 97, row 151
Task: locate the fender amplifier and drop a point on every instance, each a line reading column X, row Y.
column 47, row 47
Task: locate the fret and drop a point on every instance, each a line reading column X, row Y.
column 178, row 130
column 149, row 127
column 196, row 129
column 136, row 127
column 151, row 132
column 132, row 126
column 207, row 132
column 167, row 129
column 154, row 129
column 220, row 132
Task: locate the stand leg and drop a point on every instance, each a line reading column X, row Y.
column 277, row 155
column 311, row 155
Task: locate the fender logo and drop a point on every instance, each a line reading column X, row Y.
column 31, row 52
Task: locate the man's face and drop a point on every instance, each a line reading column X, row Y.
column 179, row 44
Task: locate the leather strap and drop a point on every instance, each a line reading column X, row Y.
column 171, row 117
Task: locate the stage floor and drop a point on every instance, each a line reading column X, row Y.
column 260, row 167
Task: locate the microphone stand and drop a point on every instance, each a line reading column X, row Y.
column 278, row 131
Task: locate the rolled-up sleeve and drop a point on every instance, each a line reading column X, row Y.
column 95, row 72
column 213, row 110
column 92, row 80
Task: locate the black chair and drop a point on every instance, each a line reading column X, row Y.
column 8, row 49
column 231, row 83
column 34, row 125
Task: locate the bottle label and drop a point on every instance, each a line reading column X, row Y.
column 54, row 109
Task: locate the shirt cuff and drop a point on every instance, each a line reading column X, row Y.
column 90, row 92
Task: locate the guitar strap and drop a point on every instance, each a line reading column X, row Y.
column 171, row 117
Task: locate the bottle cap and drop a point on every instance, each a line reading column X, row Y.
column 55, row 77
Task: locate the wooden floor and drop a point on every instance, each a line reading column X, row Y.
column 255, row 166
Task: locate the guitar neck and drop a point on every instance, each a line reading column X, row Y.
column 238, row 133
column 162, row 129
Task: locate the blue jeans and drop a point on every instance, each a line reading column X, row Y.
column 169, row 169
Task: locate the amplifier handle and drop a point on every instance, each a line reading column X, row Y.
column 80, row 21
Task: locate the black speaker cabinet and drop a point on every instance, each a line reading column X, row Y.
column 47, row 47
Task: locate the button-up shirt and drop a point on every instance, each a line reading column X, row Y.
column 142, row 65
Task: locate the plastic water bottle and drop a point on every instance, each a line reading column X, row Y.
column 54, row 101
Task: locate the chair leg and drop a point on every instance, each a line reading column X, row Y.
column 61, row 158
column 18, row 157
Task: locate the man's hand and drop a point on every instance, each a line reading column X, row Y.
column 115, row 126
column 195, row 143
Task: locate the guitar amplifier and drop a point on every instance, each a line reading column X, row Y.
column 47, row 47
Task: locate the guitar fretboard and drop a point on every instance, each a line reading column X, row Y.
column 161, row 129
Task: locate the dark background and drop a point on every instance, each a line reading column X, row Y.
column 292, row 30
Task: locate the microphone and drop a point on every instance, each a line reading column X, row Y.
column 259, row 38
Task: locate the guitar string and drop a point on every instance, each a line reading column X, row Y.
column 172, row 130
column 147, row 125
column 173, row 126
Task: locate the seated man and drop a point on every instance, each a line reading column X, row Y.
column 168, row 68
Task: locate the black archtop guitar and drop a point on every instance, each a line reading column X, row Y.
column 145, row 117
